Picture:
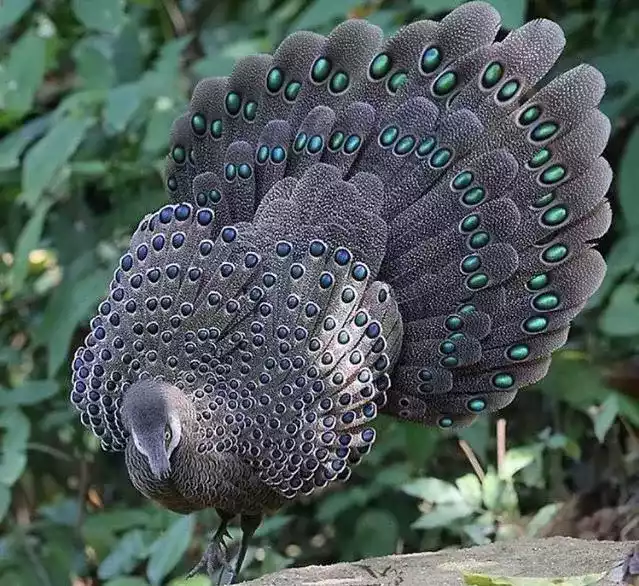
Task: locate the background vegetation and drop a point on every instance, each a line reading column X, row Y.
column 88, row 90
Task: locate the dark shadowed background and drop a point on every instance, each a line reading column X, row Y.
column 88, row 91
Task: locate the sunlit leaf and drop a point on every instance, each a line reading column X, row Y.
column 484, row 580
column 45, row 159
column 433, row 490
column 105, row 16
column 443, row 515
column 169, row 548
column 516, row 459
column 605, row 417
column 470, row 488
column 22, row 73
column 541, row 519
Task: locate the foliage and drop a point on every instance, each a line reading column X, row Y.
column 88, row 91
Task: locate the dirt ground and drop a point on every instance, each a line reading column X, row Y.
column 550, row 558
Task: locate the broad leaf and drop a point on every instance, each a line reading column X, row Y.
column 45, row 159
column 12, row 11
column 22, row 74
column 5, row 500
column 433, row 490
column 323, row 13
column 376, row 533
column 513, row 12
column 169, row 548
column 621, row 316
column 443, row 516
column 28, row 241
column 106, row 16
column 124, row 557
column 516, row 459
column 628, row 182
column 30, row 393
column 605, row 417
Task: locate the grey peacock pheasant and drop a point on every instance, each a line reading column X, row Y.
column 357, row 225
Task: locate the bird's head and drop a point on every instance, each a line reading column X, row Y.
column 151, row 415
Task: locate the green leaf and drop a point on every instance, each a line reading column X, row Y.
column 106, row 16
column 169, row 548
column 156, row 138
column 94, row 63
column 122, row 103
column 443, row 516
column 376, row 533
column 330, row 507
column 27, row 241
column 83, row 286
column 622, row 257
column 541, row 518
column 13, row 458
column 572, row 378
column 470, row 488
column 484, row 580
column 13, row 145
column 433, row 490
column 628, row 180
column 437, row 6
column 44, row 160
column 605, row 417
column 491, row 490
column 621, row 316
column 30, row 393
column 513, row 12
column 517, row 459
column 124, row 556
column 22, row 74
column 17, row 430
column 12, row 11
column 323, row 13
column 5, row 500
column 273, row 525
column 127, row 581
column 116, row 521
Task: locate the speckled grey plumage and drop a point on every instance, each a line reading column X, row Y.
column 348, row 212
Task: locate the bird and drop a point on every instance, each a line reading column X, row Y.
column 355, row 225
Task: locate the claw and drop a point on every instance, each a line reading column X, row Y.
column 215, row 556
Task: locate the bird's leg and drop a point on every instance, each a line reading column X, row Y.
column 215, row 555
column 248, row 524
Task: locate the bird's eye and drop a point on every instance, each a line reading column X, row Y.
column 167, row 434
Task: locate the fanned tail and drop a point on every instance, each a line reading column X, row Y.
column 488, row 199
